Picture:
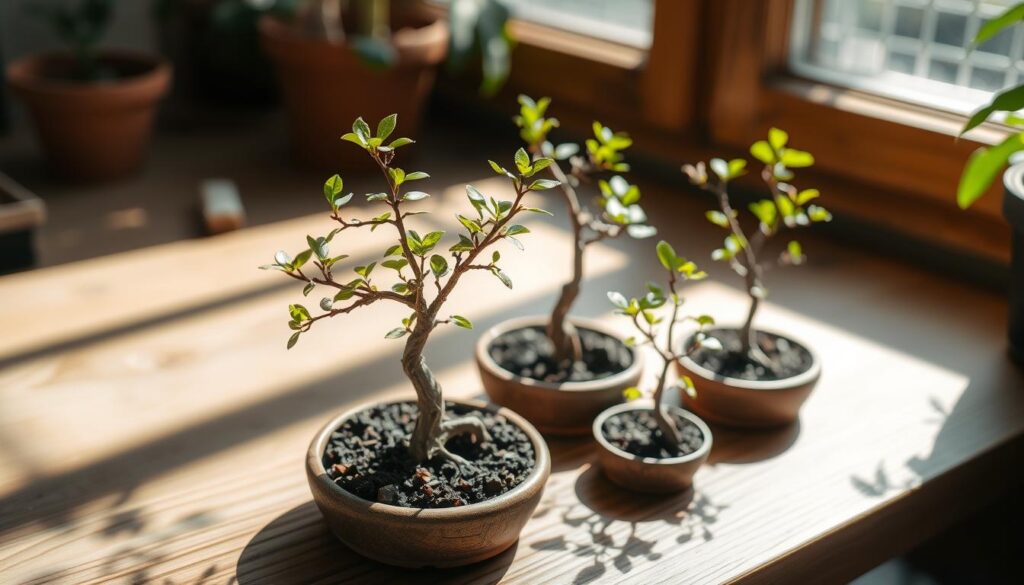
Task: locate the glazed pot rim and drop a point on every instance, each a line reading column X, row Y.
column 483, row 356
column 812, row 373
column 647, row 404
column 19, row 72
column 522, row 492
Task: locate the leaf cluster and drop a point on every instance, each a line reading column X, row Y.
column 81, row 26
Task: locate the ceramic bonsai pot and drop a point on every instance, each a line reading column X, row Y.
column 326, row 85
column 21, row 213
column 649, row 474
column 436, row 537
column 92, row 131
column 749, row 403
column 1013, row 210
column 566, row 408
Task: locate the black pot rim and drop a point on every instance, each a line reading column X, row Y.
column 1013, row 199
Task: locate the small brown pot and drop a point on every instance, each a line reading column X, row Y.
column 649, row 474
column 92, row 131
column 414, row 537
column 327, row 85
column 568, row 408
column 745, row 403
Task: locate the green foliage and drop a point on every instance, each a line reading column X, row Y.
column 81, row 26
column 416, row 261
column 983, row 166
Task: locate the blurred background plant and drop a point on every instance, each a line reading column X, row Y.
column 81, row 26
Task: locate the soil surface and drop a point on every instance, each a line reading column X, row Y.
column 368, row 457
column 636, row 432
column 788, row 358
column 528, row 352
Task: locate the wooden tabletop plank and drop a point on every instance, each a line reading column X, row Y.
column 173, row 451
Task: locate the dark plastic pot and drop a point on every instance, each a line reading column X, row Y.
column 1013, row 209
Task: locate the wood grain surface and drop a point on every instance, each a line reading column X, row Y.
column 153, row 427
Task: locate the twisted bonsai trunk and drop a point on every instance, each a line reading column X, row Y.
column 560, row 330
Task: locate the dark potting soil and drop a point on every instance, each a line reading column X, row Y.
column 636, row 432
column 528, row 352
column 788, row 357
column 368, row 456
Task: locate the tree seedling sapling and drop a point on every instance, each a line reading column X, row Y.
column 618, row 210
column 643, row 312
column 787, row 208
column 81, row 27
column 424, row 277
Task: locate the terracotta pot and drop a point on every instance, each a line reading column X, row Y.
column 327, row 85
column 92, row 131
column 649, row 474
column 567, row 408
column 746, row 403
column 414, row 537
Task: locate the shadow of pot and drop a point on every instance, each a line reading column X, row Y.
column 436, row 537
column 648, row 474
column 1013, row 210
column 749, row 403
column 567, row 408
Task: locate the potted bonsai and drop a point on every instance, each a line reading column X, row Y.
column 93, row 109
column 335, row 58
column 426, row 482
column 757, row 378
column 557, row 371
column 986, row 163
column 649, row 446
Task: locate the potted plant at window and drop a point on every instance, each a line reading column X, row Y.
column 335, row 58
column 93, row 109
column 430, row 482
column 560, row 372
column 652, row 447
column 986, row 163
column 758, row 378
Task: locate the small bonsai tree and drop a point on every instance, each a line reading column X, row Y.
column 787, row 208
column 987, row 162
column 473, row 24
column 423, row 277
column 81, row 27
column 618, row 206
column 642, row 312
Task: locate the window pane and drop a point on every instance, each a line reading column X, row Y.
column 913, row 50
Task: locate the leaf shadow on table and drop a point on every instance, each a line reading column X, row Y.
column 297, row 547
column 602, row 509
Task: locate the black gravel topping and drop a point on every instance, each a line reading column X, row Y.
column 636, row 432
column 528, row 352
column 788, row 358
column 367, row 456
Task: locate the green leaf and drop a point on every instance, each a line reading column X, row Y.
column 817, row 213
column 1008, row 17
column 469, row 224
column 667, row 255
column 522, row 161
column 618, row 299
column 396, row 264
column 538, row 210
column 632, row 393
column 476, row 197
column 796, row 159
column 718, row 218
column 640, row 231
column 397, row 175
column 396, row 333
column 354, row 139
column 763, row 152
column 395, row 250
column 400, row 142
column 298, row 313
column 765, row 211
column 564, row 151
column 777, row 138
column 688, row 387
column 720, row 168
column 502, row 276
column 1010, row 100
column 438, row 265
column 416, row 176
column 982, row 168
column 282, row 258
column 414, row 196
column 301, row 259
column 365, row 271
column 387, row 126
column 464, row 245
column 806, row 195
column 462, row 321
column 497, row 168
column 542, row 184
column 376, row 196
column 362, row 130
column 795, row 250
column 515, row 230
column 308, row 288
column 293, row 339
column 340, row 201
column 333, row 188
column 430, row 240
column 737, row 167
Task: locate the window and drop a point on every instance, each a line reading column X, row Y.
column 912, row 50
column 623, row 21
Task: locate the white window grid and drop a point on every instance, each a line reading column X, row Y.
column 912, row 50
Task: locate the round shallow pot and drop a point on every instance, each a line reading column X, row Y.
column 649, row 474
column 568, row 408
column 327, row 85
column 415, row 537
column 92, row 131
column 746, row 403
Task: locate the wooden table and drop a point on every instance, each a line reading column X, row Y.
column 153, row 427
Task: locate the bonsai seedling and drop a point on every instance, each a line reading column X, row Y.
column 618, row 211
column 424, row 275
column 81, row 27
column 643, row 313
column 787, row 208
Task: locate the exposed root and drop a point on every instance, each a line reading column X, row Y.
column 462, row 425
